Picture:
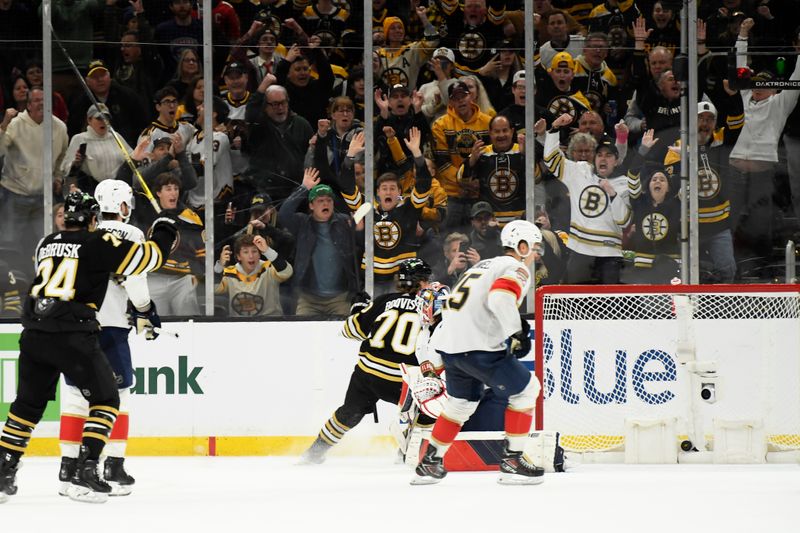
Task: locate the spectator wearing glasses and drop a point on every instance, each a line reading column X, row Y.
column 188, row 68
column 166, row 124
column 278, row 141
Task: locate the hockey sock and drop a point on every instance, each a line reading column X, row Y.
column 444, row 433
column 333, row 431
column 70, row 434
column 119, row 437
column 97, row 429
column 16, row 434
column 517, row 425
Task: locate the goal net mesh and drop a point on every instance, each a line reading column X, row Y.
column 606, row 357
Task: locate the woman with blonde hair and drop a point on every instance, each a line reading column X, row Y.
column 188, row 67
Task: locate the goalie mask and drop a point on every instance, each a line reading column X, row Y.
column 111, row 194
column 79, row 208
column 431, row 301
column 412, row 272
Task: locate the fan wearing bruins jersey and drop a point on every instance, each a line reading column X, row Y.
column 252, row 283
column 60, row 336
column 499, row 169
column 716, row 184
column 472, row 29
column 557, row 90
column 221, row 157
column 599, row 208
column 388, row 327
column 396, row 218
column 401, row 63
column 327, row 25
column 166, row 125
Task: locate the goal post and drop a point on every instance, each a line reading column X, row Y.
column 703, row 359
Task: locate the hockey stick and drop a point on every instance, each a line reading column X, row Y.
column 166, row 332
column 106, row 119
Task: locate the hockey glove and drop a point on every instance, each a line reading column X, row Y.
column 164, row 232
column 359, row 301
column 519, row 344
column 144, row 321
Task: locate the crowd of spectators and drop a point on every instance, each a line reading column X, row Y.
column 449, row 139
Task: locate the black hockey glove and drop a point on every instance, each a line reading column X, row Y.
column 359, row 301
column 519, row 344
column 144, row 321
column 163, row 232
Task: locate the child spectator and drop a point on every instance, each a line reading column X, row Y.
column 252, row 283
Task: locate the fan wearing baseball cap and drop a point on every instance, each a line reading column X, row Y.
column 446, row 71
column 400, row 62
column 557, row 90
column 455, row 133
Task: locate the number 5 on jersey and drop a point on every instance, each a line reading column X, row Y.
column 460, row 293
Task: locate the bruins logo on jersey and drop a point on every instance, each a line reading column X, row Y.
column 471, row 45
column 393, row 75
column 561, row 105
column 247, row 304
column 593, row 201
column 387, row 234
column 709, row 183
column 655, row 227
column 327, row 37
column 595, row 101
column 464, row 140
column 270, row 21
column 503, row 183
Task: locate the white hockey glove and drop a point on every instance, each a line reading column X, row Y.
column 144, row 321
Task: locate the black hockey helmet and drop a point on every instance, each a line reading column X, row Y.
column 411, row 272
column 79, row 208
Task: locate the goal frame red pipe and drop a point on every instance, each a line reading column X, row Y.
column 541, row 292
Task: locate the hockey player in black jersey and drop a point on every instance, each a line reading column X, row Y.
column 388, row 327
column 60, row 336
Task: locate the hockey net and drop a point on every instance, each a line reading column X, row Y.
column 615, row 353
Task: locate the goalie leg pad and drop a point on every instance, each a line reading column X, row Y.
column 544, row 449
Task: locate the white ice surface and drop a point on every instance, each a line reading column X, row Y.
column 273, row 494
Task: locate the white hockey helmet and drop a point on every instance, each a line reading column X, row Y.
column 520, row 230
column 111, row 194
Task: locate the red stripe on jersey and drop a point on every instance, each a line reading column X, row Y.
column 505, row 284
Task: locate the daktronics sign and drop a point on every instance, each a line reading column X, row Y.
column 601, row 374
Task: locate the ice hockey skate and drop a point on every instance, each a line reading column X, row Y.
column 65, row 473
column 115, row 475
column 430, row 470
column 8, row 476
column 516, row 469
column 87, row 486
column 316, row 454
